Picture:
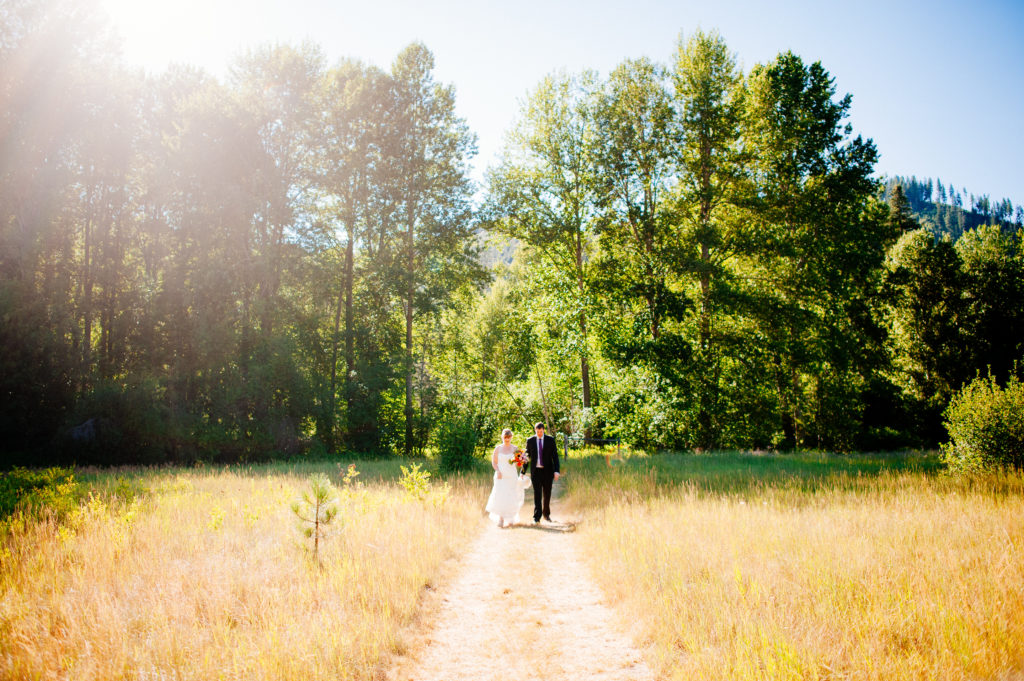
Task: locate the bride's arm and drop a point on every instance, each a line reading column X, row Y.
column 494, row 462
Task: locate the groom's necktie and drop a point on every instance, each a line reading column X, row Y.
column 540, row 452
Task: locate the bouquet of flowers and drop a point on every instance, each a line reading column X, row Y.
column 518, row 459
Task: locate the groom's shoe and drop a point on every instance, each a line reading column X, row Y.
column 547, row 518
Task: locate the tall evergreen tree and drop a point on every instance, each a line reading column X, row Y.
column 900, row 216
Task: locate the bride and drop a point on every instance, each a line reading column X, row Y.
column 507, row 493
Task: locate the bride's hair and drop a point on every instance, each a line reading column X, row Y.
column 507, row 431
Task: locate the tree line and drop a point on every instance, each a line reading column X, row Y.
column 290, row 260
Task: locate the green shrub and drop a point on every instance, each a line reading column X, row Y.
column 52, row 489
column 416, row 483
column 455, row 440
column 986, row 426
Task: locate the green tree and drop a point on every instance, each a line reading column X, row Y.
column 900, row 215
column 993, row 296
column 711, row 226
column 816, row 241
column 427, row 174
column 543, row 194
column 503, row 348
column 642, row 301
column 925, row 324
column 67, row 126
column 635, row 168
column 278, row 88
column 354, row 100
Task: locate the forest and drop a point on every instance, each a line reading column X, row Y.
column 294, row 260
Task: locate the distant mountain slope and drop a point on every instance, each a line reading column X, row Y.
column 951, row 211
column 496, row 248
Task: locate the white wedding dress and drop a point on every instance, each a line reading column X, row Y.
column 507, row 493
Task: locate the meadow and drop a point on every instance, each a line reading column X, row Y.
column 809, row 566
column 738, row 566
column 203, row 574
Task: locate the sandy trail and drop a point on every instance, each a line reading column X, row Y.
column 520, row 605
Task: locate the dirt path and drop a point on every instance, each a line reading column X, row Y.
column 520, row 606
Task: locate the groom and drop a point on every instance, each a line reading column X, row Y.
column 543, row 454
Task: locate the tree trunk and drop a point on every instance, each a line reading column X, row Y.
column 584, row 362
column 408, row 376
column 350, row 342
column 543, row 397
column 797, row 417
column 87, row 284
column 409, row 294
column 112, row 338
column 707, row 379
column 652, row 304
column 334, row 371
column 273, row 282
column 705, row 297
column 788, row 425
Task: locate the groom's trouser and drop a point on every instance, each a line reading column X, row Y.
column 542, row 479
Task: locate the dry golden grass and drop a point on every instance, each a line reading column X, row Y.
column 207, row 578
column 803, row 573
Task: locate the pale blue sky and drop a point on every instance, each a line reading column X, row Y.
column 939, row 86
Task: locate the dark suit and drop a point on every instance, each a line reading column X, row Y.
column 542, row 474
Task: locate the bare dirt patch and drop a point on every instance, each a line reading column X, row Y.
column 519, row 605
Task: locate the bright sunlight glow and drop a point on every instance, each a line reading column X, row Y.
column 199, row 32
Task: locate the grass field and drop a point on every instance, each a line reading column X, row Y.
column 809, row 566
column 732, row 566
column 203, row 574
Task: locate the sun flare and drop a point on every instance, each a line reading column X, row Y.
column 154, row 34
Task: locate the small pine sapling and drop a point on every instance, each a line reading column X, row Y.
column 316, row 510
